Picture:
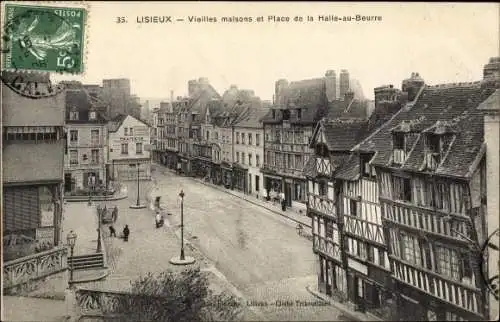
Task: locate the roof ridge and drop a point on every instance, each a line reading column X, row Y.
column 454, row 85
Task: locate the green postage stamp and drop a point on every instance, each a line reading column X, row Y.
column 49, row 39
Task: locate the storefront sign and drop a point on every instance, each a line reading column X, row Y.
column 357, row 266
column 45, row 235
column 127, row 139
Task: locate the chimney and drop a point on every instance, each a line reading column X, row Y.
column 331, row 85
column 412, row 86
column 279, row 89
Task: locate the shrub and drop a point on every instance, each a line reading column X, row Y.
column 183, row 296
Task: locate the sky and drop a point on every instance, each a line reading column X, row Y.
column 443, row 42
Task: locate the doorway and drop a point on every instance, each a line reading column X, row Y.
column 288, row 194
column 257, row 183
column 67, row 182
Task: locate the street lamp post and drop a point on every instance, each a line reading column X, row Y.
column 99, row 220
column 182, row 260
column 71, row 239
column 181, row 194
column 138, row 204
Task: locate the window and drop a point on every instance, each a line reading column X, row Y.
column 94, row 137
column 368, row 170
column 216, row 135
column 208, row 135
column 399, row 141
column 353, row 207
column 131, row 131
column 434, row 143
column 322, row 188
column 237, row 138
column 274, row 114
column 329, row 229
column 73, row 116
column 73, row 157
column 411, row 249
column 438, row 195
column 138, row 148
column 362, row 249
column 249, row 159
column 402, row 188
column 257, row 160
column 124, row 148
column 257, row 139
column 125, row 131
column 444, row 261
column 92, row 115
column 237, row 157
column 299, row 113
column 298, row 161
column 426, row 255
column 242, row 158
column 73, row 136
column 94, row 156
column 242, row 138
column 249, row 138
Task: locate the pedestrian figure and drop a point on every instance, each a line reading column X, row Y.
column 112, row 231
column 114, row 214
column 283, row 201
column 126, row 232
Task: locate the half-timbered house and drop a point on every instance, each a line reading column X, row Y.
column 343, row 204
column 429, row 161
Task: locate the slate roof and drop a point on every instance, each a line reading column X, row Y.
column 43, row 162
column 455, row 106
column 308, row 95
column 80, row 100
column 115, row 123
column 343, row 135
column 347, row 109
column 252, row 118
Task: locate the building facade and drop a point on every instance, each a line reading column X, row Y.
column 32, row 160
column 430, row 168
column 248, row 142
column 288, row 127
column 343, row 204
column 129, row 148
column 171, row 150
column 86, row 152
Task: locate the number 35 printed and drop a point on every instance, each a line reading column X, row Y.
column 120, row 20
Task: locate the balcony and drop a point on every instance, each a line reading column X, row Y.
column 327, row 247
column 436, row 223
column 462, row 295
column 369, row 231
column 321, row 204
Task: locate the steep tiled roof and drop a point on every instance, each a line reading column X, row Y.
column 347, row 109
column 80, row 100
column 43, row 162
column 492, row 103
column 455, row 106
column 252, row 118
column 343, row 135
column 308, row 95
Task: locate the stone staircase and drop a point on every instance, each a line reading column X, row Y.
column 89, row 261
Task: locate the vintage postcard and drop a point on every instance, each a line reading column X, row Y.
column 250, row 161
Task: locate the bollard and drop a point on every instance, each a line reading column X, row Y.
column 71, row 304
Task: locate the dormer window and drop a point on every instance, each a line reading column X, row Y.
column 433, row 151
column 73, row 115
column 92, row 115
column 399, row 148
column 274, row 114
column 368, row 171
column 299, row 113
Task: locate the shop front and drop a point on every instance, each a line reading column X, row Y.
column 184, row 164
column 240, row 175
column 170, row 159
column 201, row 167
column 331, row 278
column 227, row 175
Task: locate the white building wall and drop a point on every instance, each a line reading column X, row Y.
column 254, row 150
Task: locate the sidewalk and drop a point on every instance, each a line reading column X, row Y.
column 276, row 208
column 347, row 311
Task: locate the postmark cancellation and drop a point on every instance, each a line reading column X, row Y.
column 44, row 38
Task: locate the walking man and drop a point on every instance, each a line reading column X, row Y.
column 112, row 231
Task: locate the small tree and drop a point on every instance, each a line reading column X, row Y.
column 178, row 297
